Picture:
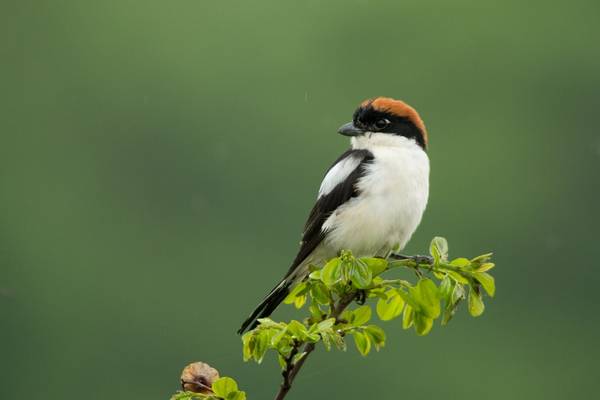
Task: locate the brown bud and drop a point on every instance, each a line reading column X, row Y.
column 198, row 377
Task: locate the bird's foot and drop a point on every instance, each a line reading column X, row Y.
column 418, row 259
column 361, row 297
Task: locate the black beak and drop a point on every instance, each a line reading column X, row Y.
column 350, row 130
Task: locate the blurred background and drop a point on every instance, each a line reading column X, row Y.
column 158, row 159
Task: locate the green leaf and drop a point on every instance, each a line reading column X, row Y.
column 338, row 340
column 224, row 386
column 458, row 277
column 282, row 362
column 320, row 293
column 277, row 337
column 360, row 274
column 407, row 317
column 248, row 345
column 448, row 313
column 239, row 395
column 476, row 305
column 298, row 290
column 262, row 345
column 315, row 275
column 315, row 312
column 482, row 258
column 326, row 324
column 268, row 323
column 362, row 342
column 297, row 329
column 332, row 272
column 299, row 301
column 326, row 338
column 439, row 249
column 458, row 293
column 485, row 267
column 409, row 297
column 446, row 287
column 377, row 336
column 333, row 337
column 376, row 265
column 427, row 295
column 487, row 281
column 423, row 324
column 361, row 315
column 460, row 262
column 390, row 308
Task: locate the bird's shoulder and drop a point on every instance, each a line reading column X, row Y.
column 342, row 168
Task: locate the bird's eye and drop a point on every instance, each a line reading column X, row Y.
column 381, row 123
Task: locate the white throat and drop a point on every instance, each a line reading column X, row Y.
column 370, row 139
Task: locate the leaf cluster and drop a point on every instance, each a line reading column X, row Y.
column 224, row 388
column 440, row 287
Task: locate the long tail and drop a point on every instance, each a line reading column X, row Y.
column 268, row 305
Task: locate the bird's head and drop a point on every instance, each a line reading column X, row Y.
column 386, row 116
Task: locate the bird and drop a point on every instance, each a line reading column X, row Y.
column 370, row 201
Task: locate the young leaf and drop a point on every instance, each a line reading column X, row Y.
column 326, row 338
column 407, row 317
column 320, row 293
column 262, row 345
column 361, row 315
column 390, row 308
column 297, row 329
column 326, row 324
column 482, row 258
column 332, row 272
column 460, row 262
column 377, row 336
column 423, row 324
column 315, row 312
column 487, row 281
column 299, row 301
column 376, row 265
column 268, row 323
column 248, row 345
column 427, row 296
column 476, row 306
column 315, row 275
column 485, row 267
column 439, row 249
column 458, row 277
column 446, row 287
column 458, row 293
column 448, row 313
column 298, row 290
column 239, row 395
column 360, row 274
column 338, row 340
column 224, row 386
column 362, row 342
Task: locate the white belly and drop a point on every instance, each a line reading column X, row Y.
column 393, row 196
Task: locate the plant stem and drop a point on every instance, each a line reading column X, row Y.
column 291, row 370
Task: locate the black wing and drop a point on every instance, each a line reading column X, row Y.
column 313, row 234
column 328, row 203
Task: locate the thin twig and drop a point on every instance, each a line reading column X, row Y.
column 291, row 370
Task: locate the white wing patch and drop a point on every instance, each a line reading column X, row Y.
column 338, row 173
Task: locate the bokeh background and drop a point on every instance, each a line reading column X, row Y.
column 157, row 161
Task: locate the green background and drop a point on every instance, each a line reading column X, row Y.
column 157, row 161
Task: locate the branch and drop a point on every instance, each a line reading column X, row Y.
column 292, row 369
column 441, row 285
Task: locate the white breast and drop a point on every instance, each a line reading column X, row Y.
column 393, row 197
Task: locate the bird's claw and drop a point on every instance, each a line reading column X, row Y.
column 418, row 259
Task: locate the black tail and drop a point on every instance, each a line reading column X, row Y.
column 267, row 306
